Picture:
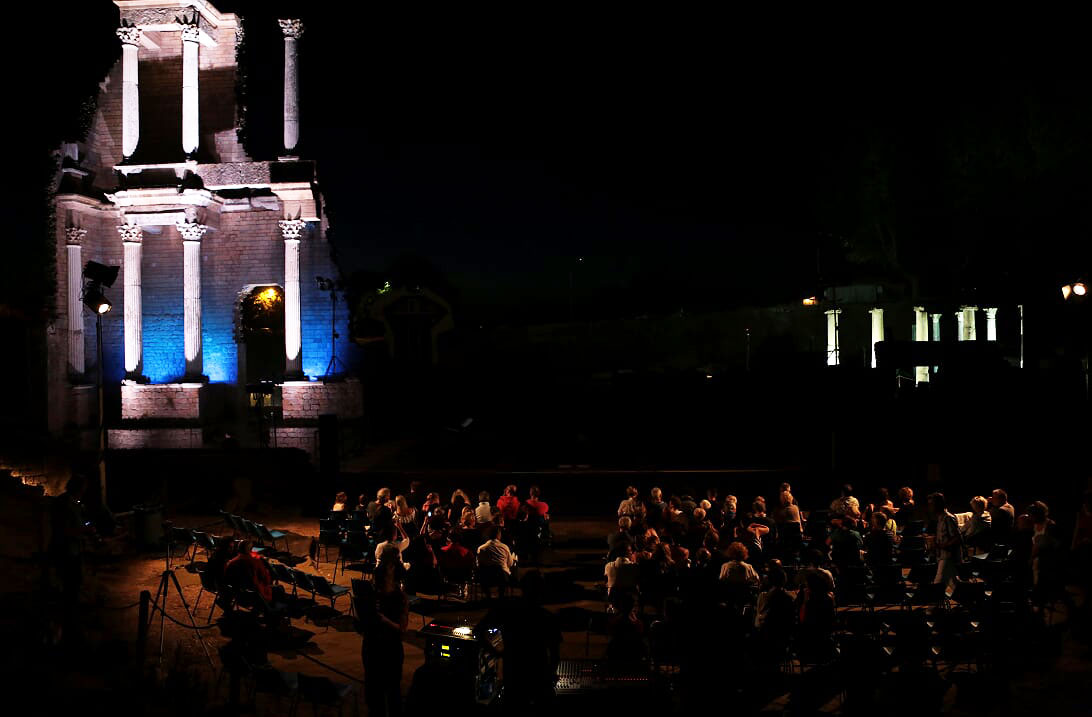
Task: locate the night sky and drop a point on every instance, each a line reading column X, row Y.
column 696, row 161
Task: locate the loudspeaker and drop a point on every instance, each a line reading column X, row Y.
column 329, row 446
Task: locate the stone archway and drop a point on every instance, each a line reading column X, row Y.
column 259, row 333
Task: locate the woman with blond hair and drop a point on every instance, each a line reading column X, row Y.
column 405, row 513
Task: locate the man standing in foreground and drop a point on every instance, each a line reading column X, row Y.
column 532, row 647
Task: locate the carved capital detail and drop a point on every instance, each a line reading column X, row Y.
column 191, row 231
column 292, row 228
column 129, row 35
column 131, row 233
column 191, row 33
column 292, row 28
column 74, row 235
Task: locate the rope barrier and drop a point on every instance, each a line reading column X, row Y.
column 331, row 669
column 123, row 607
column 156, row 608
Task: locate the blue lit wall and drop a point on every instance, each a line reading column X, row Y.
column 245, row 250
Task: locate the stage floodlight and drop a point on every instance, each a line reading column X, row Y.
column 811, row 301
column 100, row 273
column 94, row 299
column 1080, row 289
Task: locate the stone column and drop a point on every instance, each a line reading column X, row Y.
column 291, row 229
column 921, row 333
column 934, row 319
column 130, row 89
column 966, row 320
column 132, row 236
column 191, row 295
column 833, row 349
column 877, row 331
column 991, row 323
column 74, row 237
column 190, row 36
column 292, row 30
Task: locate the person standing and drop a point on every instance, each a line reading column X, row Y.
column 384, row 622
column 532, row 647
column 948, row 541
column 70, row 528
column 1002, row 517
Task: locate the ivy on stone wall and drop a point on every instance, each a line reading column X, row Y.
column 240, row 85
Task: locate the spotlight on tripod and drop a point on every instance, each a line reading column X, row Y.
column 332, row 286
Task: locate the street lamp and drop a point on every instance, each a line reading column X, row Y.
column 98, row 276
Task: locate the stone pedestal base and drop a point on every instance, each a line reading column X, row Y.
column 311, row 399
column 160, row 400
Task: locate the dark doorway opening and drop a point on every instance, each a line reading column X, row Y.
column 262, row 324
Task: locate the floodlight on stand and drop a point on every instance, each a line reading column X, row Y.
column 94, row 299
column 100, row 273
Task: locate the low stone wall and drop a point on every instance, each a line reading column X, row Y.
column 136, row 438
column 160, row 400
column 303, row 437
column 311, row 399
column 85, row 400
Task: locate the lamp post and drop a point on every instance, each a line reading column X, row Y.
column 98, row 276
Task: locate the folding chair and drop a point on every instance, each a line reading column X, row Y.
column 303, row 581
column 179, row 536
column 272, row 536
column 329, row 590
column 203, row 540
column 208, row 585
column 329, row 537
column 236, row 525
column 228, row 522
column 283, row 575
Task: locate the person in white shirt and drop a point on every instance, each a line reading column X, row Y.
column 494, row 553
column 612, row 568
column 483, row 513
column 396, row 536
column 847, row 505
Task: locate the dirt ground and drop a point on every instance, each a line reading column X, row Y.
column 112, row 588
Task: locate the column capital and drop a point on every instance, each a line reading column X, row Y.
column 129, row 35
column 191, row 231
column 292, row 228
column 74, row 235
column 131, row 233
column 292, row 28
column 190, row 33
column 991, row 311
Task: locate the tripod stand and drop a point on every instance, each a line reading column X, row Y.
column 167, row 579
column 330, row 285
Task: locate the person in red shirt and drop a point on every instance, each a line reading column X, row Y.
column 247, row 570
column 541, row 507
column 508, row 504
column 456, row 563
